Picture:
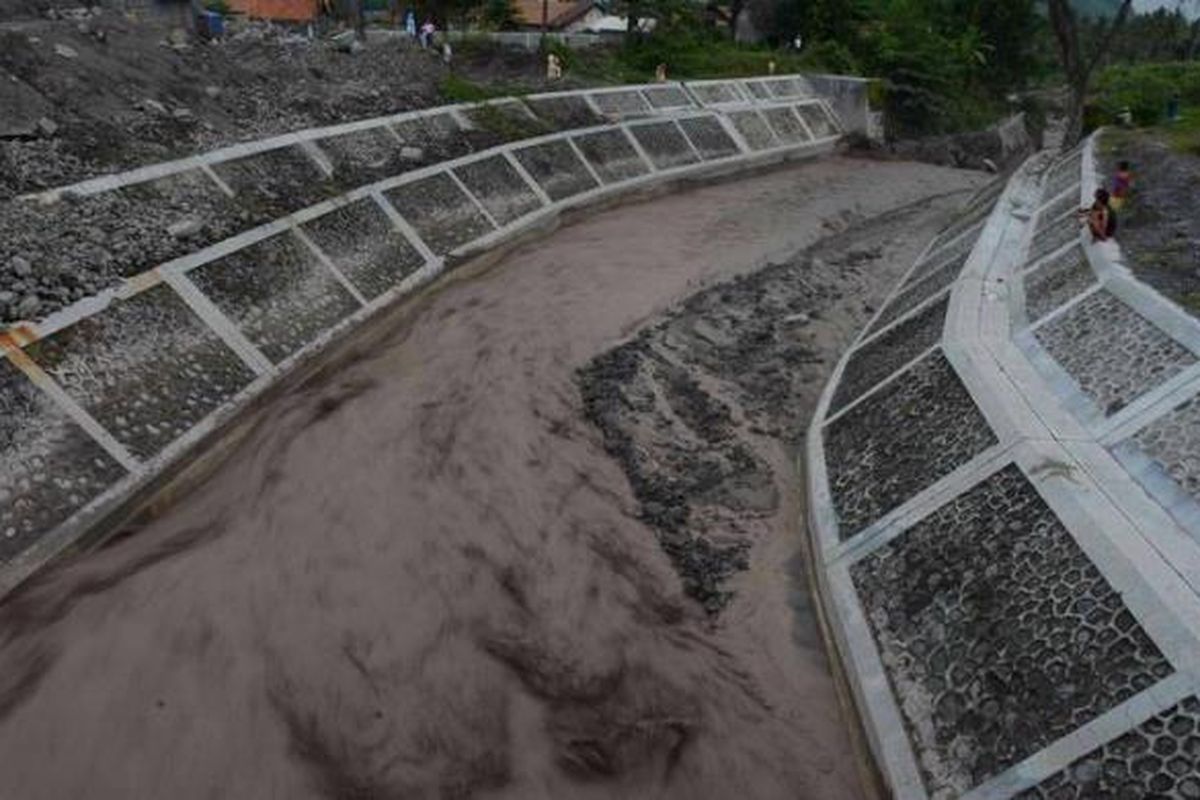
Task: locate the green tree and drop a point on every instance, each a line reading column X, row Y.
column 1007, row 31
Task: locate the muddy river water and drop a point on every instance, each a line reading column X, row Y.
column 432, row 571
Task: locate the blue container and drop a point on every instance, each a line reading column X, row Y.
column 212, row 25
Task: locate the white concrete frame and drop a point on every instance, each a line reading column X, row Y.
column 1139, row 528
column 174, row 273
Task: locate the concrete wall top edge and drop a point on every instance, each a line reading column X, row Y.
column 242, row 149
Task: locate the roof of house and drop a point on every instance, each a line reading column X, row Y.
column 614, row 24
column 559, row 14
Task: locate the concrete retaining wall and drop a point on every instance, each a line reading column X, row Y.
column 294, row 241
column 1004, row 511
column 848, row 98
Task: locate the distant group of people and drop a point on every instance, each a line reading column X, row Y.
column 1101, row 218
column 423, row 34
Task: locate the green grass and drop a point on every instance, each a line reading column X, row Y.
column 457, row 89
column 1144, row 89
column 1184, row 135
column 509, row 127
column 688, row 53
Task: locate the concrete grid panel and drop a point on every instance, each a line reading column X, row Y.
column 998, row 633
column 937, row 262
column 783, row 88
column 878, row 358
column 556, row 168
column 914, row 430
column 277, row 293
column 146, row 368
column 753, row 129
column 916, row 294
column 664, row 144
column 442, row 214
column 715, row 93
column 709, row 137
column 621, row 103
column 758, row 90
column 364, row 245
column 1062, row 175
column 275, row 183
column 1113, row 354
column 1056, row 236
column 786, row 125
column 502, row 122
column 565, row 112
column 434, row 138
column 611, row 155
column 1160, row 758
column 951, row 249
column 49, row 467
column 1056, row 281
column 666, row 96
column 973, row 218
column 817, row 119
column 365, row 156
column 1173, row 442
column 1055, row 210
column 499, row 187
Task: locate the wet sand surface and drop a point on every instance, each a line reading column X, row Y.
column 422, row 575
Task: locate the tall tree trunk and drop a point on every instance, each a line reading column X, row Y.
column 735, row 13
column 1076, row 100
column 1078, row 67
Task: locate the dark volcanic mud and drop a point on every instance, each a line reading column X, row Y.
column 688, row 403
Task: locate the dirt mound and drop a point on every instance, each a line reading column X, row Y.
column 113, row 95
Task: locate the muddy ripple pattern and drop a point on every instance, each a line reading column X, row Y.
column 997, row 632
column 1112, row 352
column 1158, row 759
column 911, row 433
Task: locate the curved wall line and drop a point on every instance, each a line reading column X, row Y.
column 107, row 395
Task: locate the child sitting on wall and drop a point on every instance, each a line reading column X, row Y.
column 1122, row 186
column 1101, row 219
